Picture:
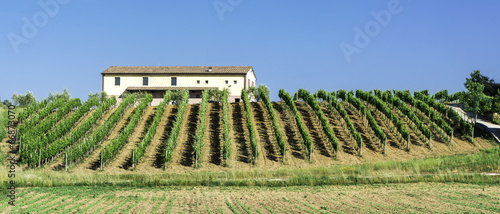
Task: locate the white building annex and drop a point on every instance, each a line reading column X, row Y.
column 155, row 80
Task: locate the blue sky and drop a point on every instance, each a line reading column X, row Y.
column 291, row 44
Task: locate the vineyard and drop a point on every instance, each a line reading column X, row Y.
column 322, row 128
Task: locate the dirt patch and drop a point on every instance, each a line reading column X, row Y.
column 240, row 132
column 266, row 138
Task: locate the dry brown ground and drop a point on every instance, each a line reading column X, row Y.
column 152, row 159
column 212, row 147
column 398, row 198
column 295, row 155
column 123, row 160
column 269, row 153
column 183, row 157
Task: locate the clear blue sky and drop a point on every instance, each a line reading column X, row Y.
column 291, row 44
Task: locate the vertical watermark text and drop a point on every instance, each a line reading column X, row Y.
column 12, row 135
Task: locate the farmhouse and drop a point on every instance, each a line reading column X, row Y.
column 117, row 80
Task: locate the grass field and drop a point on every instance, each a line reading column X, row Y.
column 389, row 198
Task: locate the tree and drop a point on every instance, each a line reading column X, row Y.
column 101, row 96
column 6, row 103
column 254, row 92
column 215, row 94
column 490, row 88
column 53, row 97
column 23, row 100
column 495, row 107
column 262, row 89
column 425, row 92
column 475, row 101
column 441, row 95
column 177, row 96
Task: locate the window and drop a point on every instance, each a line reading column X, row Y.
column 237, row 100
column 198, row 81
column 236, row 82
column 227, row 81
column 174, row 81
column 117, row 81
column 198, row 96
column 206, row 81
column 145, row 81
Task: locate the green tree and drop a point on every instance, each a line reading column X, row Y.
column 254, row 92
column 495, row 107
column 53, row 97
column 23, row 100
column 101, row 96
column 178, row 95
column 6, row 103
column 425, row 92
column 475, row 101
column 215, row 94
column 490, row 88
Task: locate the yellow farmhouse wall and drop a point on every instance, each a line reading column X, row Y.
column 235, row 82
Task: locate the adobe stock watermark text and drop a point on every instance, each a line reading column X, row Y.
column 363, row 36
column 32, row 25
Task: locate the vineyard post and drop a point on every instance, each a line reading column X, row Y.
column 361, row 148
column 451, row 141
column 473, row 132
column 408, row 143
column 66, row 161
column 255, row 156
column 101, row 158
column 40, row 159
column 310, row 151
column 196, row 160
column 430, row 140
column 284, row 155
column 166, row 155
column 385, row 145
column 133, row 159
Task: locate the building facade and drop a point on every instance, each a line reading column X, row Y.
column 117, row 80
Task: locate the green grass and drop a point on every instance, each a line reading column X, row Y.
column 4, row 120
column 462, row 168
